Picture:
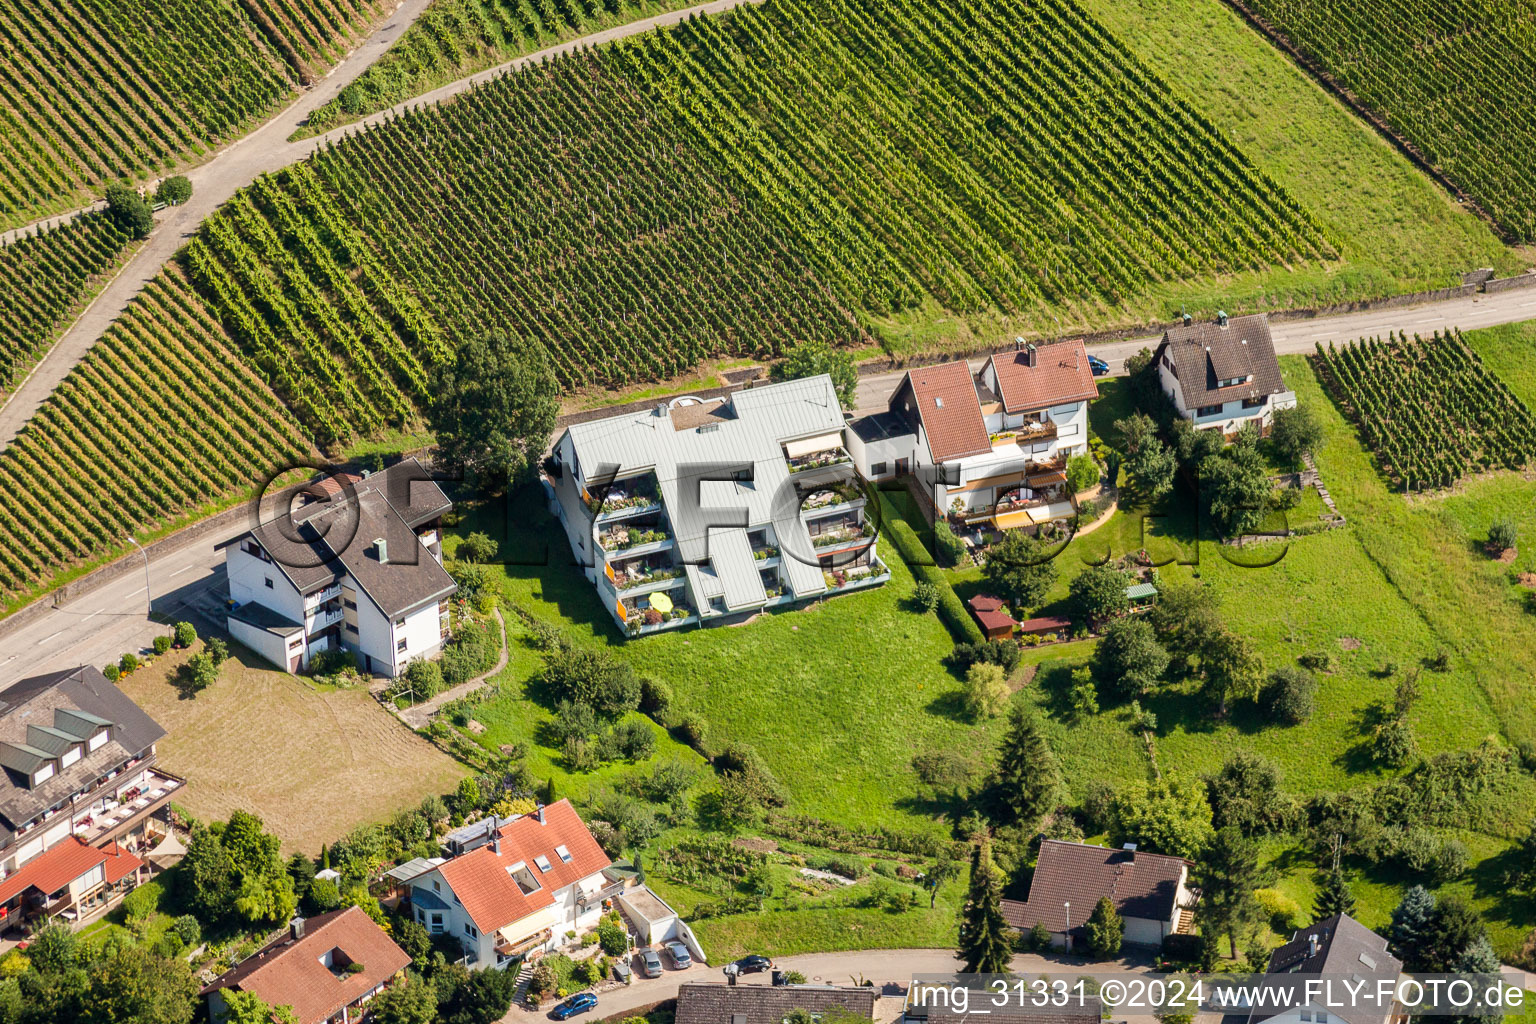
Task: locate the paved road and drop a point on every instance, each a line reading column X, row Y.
column 261, row 152
column 883, row 967
column 1294, row 337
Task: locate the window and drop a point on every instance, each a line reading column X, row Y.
column 351, row 606
column 269, row 581
column 401, row 645
column 469, row 930
column 70, row 757
column 563, row 854
column 542, row 862
column 1208, row 410
column 400, row 621
column 437, row 922
column 97, row 740
column 878, row 469
column 351, row 628
column 42, row 774
column 437, row 886
column 1322, row 1018
column 1306, row 1015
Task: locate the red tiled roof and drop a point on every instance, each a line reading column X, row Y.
column 985, row 603
column 945, row 397
column 1141, row 885
column 1045, row 624
column 54, row 869
column 481, row 881
column 289, row 971
column 1061, row 374
column 119, row 864
column 989, row 612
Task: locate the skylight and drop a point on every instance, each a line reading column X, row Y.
column 1368, row 961
column 542, row 861
column 563, row 854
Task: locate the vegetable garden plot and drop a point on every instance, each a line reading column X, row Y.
column 1429, row 409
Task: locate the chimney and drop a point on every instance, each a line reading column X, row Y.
column 1188, row 319
column 1030, row 353
column 661, row 408
column 296, row 928
column 381, row 549
column 538, row 814
column 496, row 844
column 1221, row 318
column 1018, row 344
column 1312, row 944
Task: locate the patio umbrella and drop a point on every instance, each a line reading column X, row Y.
column 661, row 602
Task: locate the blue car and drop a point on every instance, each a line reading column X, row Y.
column 581, row 1002
column 1098, row 366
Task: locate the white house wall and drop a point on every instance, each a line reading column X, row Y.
column 267, row 644
column 422, row 634
column 247, row 575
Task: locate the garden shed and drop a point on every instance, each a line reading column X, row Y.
column 995, row 623
column 1141, row 595
column 1046, row 624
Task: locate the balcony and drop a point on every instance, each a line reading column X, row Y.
column 625, row 499
column 644, row 576
column 330, row 593
column 130, row 808
column 607, row 892
column 842, row 536
column 1027, row 434
column 327, row 615
column 824, row 459
column 510, row 949
column 871, row 574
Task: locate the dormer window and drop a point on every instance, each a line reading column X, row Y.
column 1234, row 381
column 523, row 877
column 70, row 756
column 98, row 739
column 43, row 773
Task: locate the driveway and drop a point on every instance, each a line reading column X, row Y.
column 887, row 969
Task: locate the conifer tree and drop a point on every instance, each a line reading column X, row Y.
column 1027, row 778
column 1106, row 929
column 1334, row 897
column 984, row 940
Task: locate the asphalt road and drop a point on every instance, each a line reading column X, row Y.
column 1295, row 337
column 263, row 151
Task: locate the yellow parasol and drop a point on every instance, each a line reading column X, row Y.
column 661, row 602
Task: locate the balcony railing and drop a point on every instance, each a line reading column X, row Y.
column 154, row 793
column 1030, row 433
column 321, row 596
column 819, row 460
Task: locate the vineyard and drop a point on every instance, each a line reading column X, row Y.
column 95, row 90
column 1429, row 409
column 1449, row 77
column 455, row 38
column 551, row 203
column 993, row 155
column 43, row 277
column 162, row 418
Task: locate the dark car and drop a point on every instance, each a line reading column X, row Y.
column 752, row 964
column 1098, row 366
column 581, row 1002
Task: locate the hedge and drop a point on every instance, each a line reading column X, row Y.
column 951, row 609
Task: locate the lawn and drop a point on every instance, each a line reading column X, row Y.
column 1510, row 352
column 313, row 765
column 1394, row 228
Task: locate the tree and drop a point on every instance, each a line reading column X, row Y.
column 1232, row 667
column 216, row 649
column 210, row 873
column 1235, row 489
column 1150, row 460
column 1453, row 929
column 1084, row 695
column 131, row 985
column 493, row 409
column 1026, row 779
column 483, row 999
column 477, row 547
column 595, row 678
column 174, row 191
column 1228, row 872
column 1184, row 618
column 1290, row 694
column 130, row 210
column 200, row 672
column 1523, row 876
column 414, row 1002
column 185, row 634
column 1019, row 570
column 1082, row 472
column 1105, row 929
column 1169, row 816
column 1097, row 594
column 1408, row 935
column 944, row 867
column 986, row 690
column 1503, row 534
column 809, row 358
column 1295, row 432
column 1129, row 660
column 1245, row 794
column 249, row 1008
column 984, row 942
column 925, row 596
column 1334, row 896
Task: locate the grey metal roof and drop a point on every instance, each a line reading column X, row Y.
column 720, row 467
column 731, row 553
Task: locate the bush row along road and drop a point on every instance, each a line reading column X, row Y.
column 263, row 151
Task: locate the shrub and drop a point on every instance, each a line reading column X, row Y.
column 1181, row 948
column 1392, row 743
column 951, row 609
column 174, row 191
column 200, row 672
column 613, row 939
column 1296, row 432
column 1319, row 661
column 216, row 649
column 112, row 672
column 161, row 644
column 1440, row 661
column 1285, row 914
column 592, row 677
column 424, row 677
column 186, row 635
column 950, row 549
column 986, row 690
column 847, row 867
column 690, row 729
column 324, row 895
column 130, row 210
column 925, row 595
column 477, row 548
column 633, row 741
column 1502, row 535
column 1290, row 695
column 1039, row 937
column 1003, row 653
column 139, row 904
column 655, row 698
column 1082, row 472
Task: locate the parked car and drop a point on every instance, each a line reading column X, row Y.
column 753, row 963
column 1098, row 366
column 581, row 1002
column 650, row 963
column 680, row 956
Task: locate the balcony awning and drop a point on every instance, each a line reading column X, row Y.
column 1054, row 476
column 528, row 927
column 1055, row 510
column 810, row 445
